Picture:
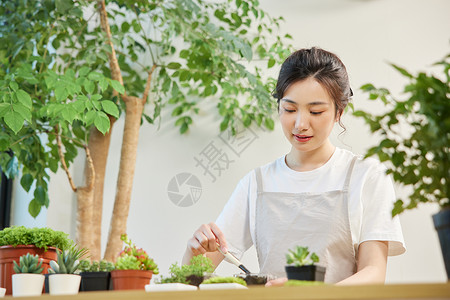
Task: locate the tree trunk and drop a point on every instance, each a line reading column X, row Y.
column 85, row 194
column 99, row 148
column 134, row 109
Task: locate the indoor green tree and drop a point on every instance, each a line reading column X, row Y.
column 67, row 75
column 415, row 136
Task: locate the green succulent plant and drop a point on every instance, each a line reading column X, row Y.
column 95, row 266
column 28, row 263
column 67, row 261
column 300, row 256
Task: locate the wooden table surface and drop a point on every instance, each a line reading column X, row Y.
column 389, row 291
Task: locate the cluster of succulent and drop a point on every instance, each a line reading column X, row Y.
column 28, row 264
column 190, row 274
column 133, row 258
column 300, row 256
column 68, row 260
column 95, row 266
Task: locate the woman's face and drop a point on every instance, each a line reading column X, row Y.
column 307, row 115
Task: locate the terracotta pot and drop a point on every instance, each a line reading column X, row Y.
column 130, row 279
column 8, row 254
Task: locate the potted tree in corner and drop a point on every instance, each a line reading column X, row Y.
column 95, row 276
column 419, row 157
column 133, row 269
column 62, row 278
column 301, row 265
column 28, row 280
column 18, row 241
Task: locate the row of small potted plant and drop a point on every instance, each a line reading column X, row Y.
column 44, row 251
column 32, row 252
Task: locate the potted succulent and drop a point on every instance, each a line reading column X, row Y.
column 416, row 143
column 193, row 274
column 28, row 280
column 133, row 268
column 95, row 275
column 302, row 265
column 19, row 240
column 62, row 278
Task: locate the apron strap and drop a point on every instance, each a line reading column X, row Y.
column 349, row 173
column 259, row 186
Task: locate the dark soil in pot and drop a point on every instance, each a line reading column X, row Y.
column 195, row 280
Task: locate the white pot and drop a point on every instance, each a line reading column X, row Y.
column 2, row 292
column 64, row 284
column 24, row 284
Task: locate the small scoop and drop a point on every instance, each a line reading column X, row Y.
column 230, row 258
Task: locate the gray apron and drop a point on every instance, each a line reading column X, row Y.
column 319, row 221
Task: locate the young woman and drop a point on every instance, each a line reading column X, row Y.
column 317, row 195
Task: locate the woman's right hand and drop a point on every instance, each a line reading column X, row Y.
column 205, row 239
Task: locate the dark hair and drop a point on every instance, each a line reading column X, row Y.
column 323, row 66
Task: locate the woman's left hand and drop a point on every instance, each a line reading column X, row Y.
column 277, row 282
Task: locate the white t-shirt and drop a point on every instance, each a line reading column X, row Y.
column 371, row 198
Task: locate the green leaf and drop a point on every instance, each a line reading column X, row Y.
column 61, row 93
column 90, row 117
column 271, row 63
column 14, row 86
column 26, row 181
column 69, row 113
column 174, row 65
column 40, row 194
column 117, row 86
column 102, row 122
column 269, row 123
column 4, row 107
column 14, row 120
column 34, row 208
column 110, row 108
column 24, row 98
column 83, row 71
column 89, row 86
column 12, row 168
column 23, row 111
column 402, row 71
column 95, row 76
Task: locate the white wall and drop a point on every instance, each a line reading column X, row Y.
column 366, row 35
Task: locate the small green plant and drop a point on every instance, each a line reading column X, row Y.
column 300, row 256
column 67, row 261
column 199, row 265
column 133, row 258
column 96, row 266
column 28, row 264
column 225, row 280
column 39, row 237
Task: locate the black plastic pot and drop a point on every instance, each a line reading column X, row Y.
column 309, row 273
column 46, row 284
column 442, row 224
column 95, row 281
